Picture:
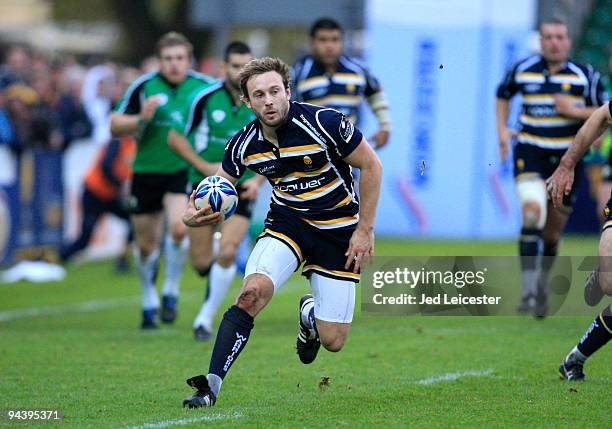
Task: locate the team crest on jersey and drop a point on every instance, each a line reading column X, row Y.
column 161, row 99
column 350, row 87
column 520, row 164
column 218, row 115
column 606, row 212
column 566, row 86
column 307, row 161
column 346, row 129
column 177, row 116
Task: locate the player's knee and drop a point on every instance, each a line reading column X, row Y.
column 532, row 213
column 178, row 231
column 202, row 268
column 227, row 254
column 146, row 246
column 255, row 293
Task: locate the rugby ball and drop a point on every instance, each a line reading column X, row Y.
column 218, row 193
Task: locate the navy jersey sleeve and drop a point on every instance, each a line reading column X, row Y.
column 295, row 71
column 232, row 160
column 346, row 137
column 508, row 87
column 197, row 115
column 372, row 84
column 597, row 92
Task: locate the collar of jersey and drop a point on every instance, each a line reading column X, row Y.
column 544, row 64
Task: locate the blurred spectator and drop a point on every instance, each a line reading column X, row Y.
column 96, row 96
column 45, row 121
column 75, row 123
column 149, row 64
column 16, row 67
column 19, row 101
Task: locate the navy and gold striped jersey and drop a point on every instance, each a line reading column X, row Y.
column 540, row 123
column 343, row 90
column 307, row 172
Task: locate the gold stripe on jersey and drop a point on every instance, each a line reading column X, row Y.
column 348, row 78
column 310, row 195
column 348, row 274
column 312, row 82
column 301, row 150
column 544, row 141
column 529, row 77
column 344, row 202
column 568, row 78
column 543, row 98
column 552, row 121
column 333, row 223
column 337, row 100
column 285, row 239
column 299, row 174
column 259, row 157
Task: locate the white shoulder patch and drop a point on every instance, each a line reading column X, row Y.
column 346, row 129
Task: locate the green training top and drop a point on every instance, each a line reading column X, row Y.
column 215, row 120
column 153, row 154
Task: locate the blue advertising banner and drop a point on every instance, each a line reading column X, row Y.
column 40, row 199
column 440, row 63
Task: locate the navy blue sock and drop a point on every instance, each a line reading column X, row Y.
column 530, row 246
column 232, row 336
column 312, row 320
column 550, row 252
column 598, row 334
column 530, row 249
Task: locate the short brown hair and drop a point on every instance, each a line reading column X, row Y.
column 552, row 21
column 263, row 65
column 173, row 39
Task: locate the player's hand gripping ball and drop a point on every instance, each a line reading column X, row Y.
column 219, row 193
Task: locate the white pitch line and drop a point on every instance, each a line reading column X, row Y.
column 185, row 421
column 80, row 307
column 453, row 376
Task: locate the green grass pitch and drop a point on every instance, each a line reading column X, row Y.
column 76, row 346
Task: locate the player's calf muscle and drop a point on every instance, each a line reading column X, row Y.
column 333, row 335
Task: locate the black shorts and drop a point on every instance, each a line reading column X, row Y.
column 321, row 250
column 608, row 215
column 530, row 159
column 244, row 207
column 148, row 190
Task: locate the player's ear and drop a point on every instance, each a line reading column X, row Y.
column 246, row 101
column 288, row 90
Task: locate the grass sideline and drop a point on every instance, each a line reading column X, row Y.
column 94, row 364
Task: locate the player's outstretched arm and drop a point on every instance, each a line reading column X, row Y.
column 560, row 183
column 183, row 148
column 361, row 244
